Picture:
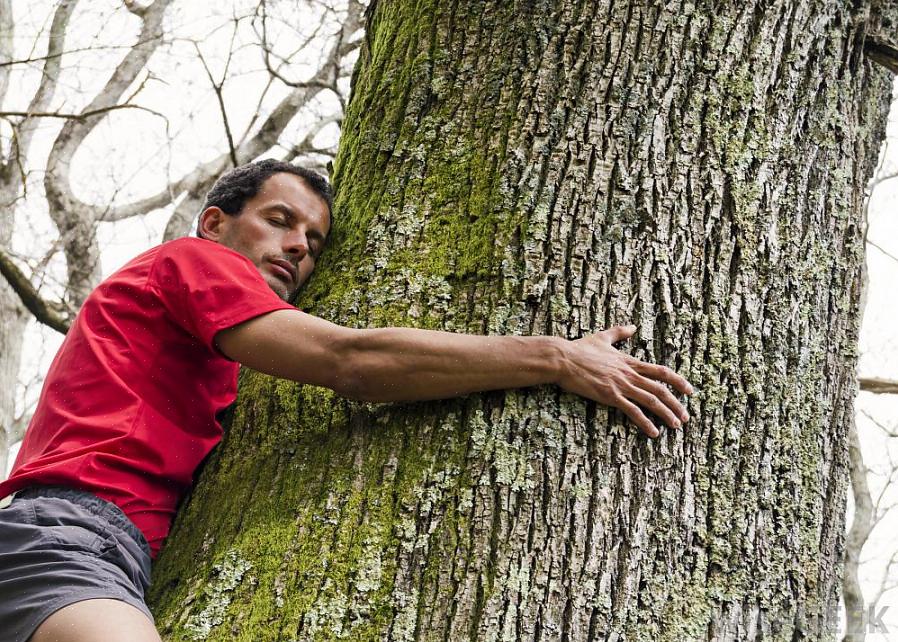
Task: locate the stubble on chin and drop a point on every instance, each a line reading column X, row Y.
column 277, row 287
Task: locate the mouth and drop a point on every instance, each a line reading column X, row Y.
column 284, row 270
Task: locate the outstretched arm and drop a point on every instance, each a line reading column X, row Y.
column 406, row 364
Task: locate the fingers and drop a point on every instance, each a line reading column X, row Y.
column 666, row 397
column 650, row 402
column 663, row 373
column 619, row 333
column 638, row 417
column 639, row 385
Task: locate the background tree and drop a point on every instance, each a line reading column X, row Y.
column 557, row 168
column 873, row 484
column 91, row 137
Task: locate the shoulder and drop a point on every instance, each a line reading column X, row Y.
column 191, row 254
column 191, row 246
column 195, row 264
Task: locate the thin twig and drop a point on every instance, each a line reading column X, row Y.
column 60, row 54
column 216, row 87
column 75, row 116
column 879, row 424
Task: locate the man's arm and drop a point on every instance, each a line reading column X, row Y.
column 406, row 364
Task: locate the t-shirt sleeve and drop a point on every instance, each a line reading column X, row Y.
column 208, row 288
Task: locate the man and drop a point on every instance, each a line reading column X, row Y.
column 128, row 410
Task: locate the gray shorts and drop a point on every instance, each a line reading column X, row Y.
column 59, row 546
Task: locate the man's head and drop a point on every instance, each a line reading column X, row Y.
column 275, row 214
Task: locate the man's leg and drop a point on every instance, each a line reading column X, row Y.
column 97, row 621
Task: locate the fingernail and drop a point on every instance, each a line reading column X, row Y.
column 684, row 417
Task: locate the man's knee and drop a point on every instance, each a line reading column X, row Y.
column 97, row 620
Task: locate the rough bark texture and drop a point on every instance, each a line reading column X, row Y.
column 12, row 330
column 535, row 167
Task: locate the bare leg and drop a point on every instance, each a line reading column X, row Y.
column 97, row 621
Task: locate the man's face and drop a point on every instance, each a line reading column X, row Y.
column 282, row 230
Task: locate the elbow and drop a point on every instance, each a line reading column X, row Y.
column 350, row 382
column 360, row 373
column 346, row 380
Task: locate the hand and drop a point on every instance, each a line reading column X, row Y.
column 596, row 370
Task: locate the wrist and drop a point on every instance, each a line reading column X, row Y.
column 558, row 359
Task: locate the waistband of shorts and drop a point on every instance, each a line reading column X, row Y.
column 95, row 505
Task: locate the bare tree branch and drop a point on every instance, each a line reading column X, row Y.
column 217, row 88
column 47, row 313
column 8, row 62
column 17, row 429
column 882, row 179
column 882, row 249
column 49, row 79
column 305, row 146
column 861, row 526
column 885, row 429
column 6, row 48
column 179, row 223
column 200, row 175
column 878, row 386
column 268, row 53
column 283, row 113
column 74, row 219
column 75, row 116
column 74, row 132
column 20, row 423
column 136, row 9
column 251, row 146
column 885, row 584
column 257, row 112
column 882, row 51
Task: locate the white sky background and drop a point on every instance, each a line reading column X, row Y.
column 134, row 154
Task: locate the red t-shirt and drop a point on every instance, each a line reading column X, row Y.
column 128, row 409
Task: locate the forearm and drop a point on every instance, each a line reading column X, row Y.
column 405, row 364
column 390, row 364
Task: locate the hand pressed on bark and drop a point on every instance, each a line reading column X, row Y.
column 598, row 371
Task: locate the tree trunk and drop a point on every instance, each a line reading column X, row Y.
column 535, row 167
column 12, row 330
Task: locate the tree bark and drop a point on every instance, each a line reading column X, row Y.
column 536, row 167
column 12, row 331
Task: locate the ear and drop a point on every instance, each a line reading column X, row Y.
column 212, row 223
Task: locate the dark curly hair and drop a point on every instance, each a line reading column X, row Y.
column 236, row 186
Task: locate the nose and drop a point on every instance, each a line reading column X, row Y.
column 296, row 244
